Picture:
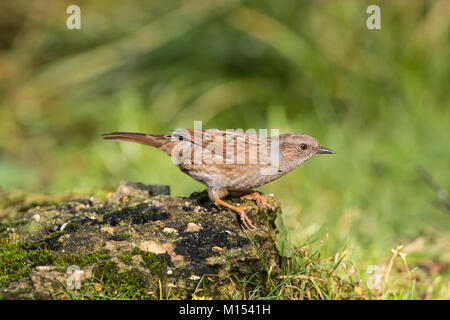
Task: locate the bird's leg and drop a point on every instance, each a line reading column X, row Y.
column 256, row 196
column 216, row 194
column 246, row 222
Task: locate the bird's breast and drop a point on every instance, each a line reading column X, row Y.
column 232, row 176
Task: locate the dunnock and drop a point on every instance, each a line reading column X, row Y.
column 231, row 161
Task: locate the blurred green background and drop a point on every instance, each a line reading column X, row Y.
column 379, row 98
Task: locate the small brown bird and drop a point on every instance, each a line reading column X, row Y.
column 231, row 161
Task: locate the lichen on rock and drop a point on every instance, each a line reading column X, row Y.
column 138, row 243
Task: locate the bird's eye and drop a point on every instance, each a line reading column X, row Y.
column 304, row 146
column 180, row 138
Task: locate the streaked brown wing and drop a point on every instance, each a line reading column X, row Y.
column 232, row 147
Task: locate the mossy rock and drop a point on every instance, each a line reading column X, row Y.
column 138, row 243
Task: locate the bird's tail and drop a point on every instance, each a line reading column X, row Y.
column 154, row 140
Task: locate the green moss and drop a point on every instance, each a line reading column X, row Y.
column 13, row 224
column 82, row 260
column 152, row 263
column 136, row 251
column 134, row 283
column 17, row 260
column 126, row 257
column 130, row 284
column 149, row 260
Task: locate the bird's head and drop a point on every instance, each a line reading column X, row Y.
column 298, row 147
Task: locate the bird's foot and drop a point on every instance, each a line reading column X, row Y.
column 260, row 201
column 245, row 220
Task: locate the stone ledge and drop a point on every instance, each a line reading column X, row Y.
column 146, row 243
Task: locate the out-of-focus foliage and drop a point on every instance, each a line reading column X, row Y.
column 380, row 98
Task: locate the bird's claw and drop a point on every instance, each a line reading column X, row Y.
column 258, row 198
column 245, row 220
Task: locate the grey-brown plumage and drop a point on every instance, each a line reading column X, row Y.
column 231, row 161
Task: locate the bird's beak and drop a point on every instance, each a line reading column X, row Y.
column 323, row 150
